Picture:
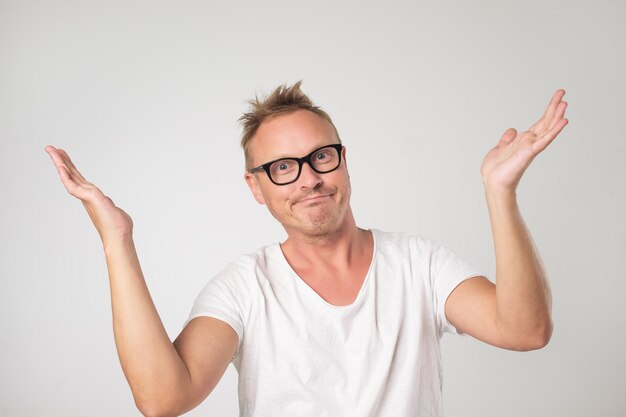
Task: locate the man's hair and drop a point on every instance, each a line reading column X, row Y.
column 283, row 99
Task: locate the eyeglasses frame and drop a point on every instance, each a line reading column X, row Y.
column 266, row 166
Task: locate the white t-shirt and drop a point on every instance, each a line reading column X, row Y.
column 299, row 355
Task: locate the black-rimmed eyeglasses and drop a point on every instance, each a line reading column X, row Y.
column 284, row 171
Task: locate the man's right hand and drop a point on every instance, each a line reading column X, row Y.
column 110, row 221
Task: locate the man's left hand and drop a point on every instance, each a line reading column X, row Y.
column 504, row 165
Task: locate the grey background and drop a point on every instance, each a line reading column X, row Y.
column 144, row 96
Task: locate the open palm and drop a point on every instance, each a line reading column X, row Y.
column 110, row 220
column 505, row 164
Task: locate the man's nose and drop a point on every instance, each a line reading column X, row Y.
column 308, row 177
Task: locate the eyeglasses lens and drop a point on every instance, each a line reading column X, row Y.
column 287, row 170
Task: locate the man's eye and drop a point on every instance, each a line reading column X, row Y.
column 282, row 167
column 325, row 154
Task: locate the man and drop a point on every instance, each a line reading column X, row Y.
column 336, row 320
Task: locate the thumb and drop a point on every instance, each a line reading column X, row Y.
column 508, row 136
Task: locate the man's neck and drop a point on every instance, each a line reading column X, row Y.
column 340, row 248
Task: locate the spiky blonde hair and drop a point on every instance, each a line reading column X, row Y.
column 282, row 99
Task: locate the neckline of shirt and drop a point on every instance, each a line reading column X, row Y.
column 283, row 260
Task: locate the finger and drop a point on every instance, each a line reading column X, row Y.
column 545, row 119
column 71, row 165
column 508, row 136
column 549, row 136
column 548, row 113
column 56, row 158
column 67, row 177
column 554, row 102
column 560, row 112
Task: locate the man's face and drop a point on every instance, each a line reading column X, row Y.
column 316, row 204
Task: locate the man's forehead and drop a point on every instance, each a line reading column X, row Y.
column 294, row 134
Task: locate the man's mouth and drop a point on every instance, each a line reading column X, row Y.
column 316, row 197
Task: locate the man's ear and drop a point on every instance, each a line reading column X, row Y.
column 343, row 156
column 253, row 183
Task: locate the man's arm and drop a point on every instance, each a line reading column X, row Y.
column 166, row 378
column 515, row 313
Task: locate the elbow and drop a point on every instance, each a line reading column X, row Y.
column 543, row 335
column 149, row 411
column 536, row 340
column 155, row 409
column 162, row 398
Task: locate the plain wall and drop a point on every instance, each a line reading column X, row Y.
column 145, row 97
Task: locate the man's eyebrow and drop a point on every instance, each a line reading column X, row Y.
column 282, row 156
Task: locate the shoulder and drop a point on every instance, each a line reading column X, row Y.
column 404, row 241
column 257, row 257
column 242, row 269
column 260, row 259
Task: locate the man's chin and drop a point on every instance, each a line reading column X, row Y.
column 319, row 227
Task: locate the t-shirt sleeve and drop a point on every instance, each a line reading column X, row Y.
column 447, row 271
column 223, row 298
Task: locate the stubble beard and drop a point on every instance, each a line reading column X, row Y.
column 311, row 218
column 314, row 218
column 323, row 218
column 320, row 220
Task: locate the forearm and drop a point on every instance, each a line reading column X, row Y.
column 523, row 299
column 155, row 372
